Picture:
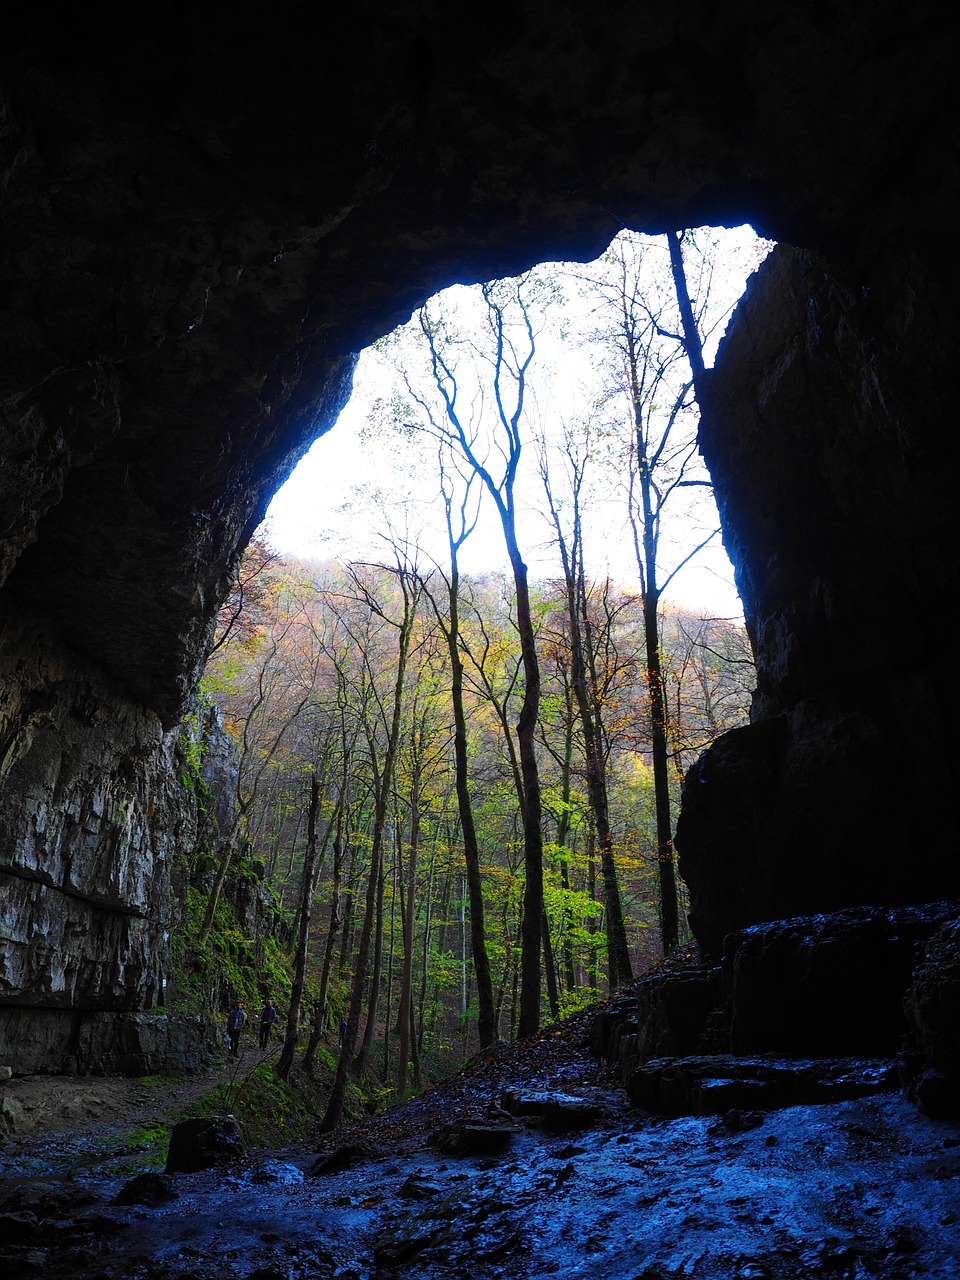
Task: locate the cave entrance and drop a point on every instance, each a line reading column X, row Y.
column 336, row 501
column 574, row 382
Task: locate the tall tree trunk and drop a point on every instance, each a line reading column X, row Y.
column 592, row 976
column 338, row 1092
column 288, row 1052
column 415, row 1054
column 659, row 750
column 373, row 997
column 486, row 1014
column 236, row 839
column 346, row 942
column 586, row 691
column 529, row 1013
column 441, row 943
column 549, row 967
column 506, row 972
column 563, row 835
column 319, row 1020
column 395, row 878
column 659, row 739
column 510, row 365
column 619, row 968
column 691, row 334
column 515, row 987
column 425, row 955
column 406, row 985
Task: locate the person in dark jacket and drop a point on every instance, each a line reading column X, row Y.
column 235, row 1024
column 268, row 1016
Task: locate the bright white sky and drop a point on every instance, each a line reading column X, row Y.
column 326, row 511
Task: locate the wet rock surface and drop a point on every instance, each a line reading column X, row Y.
column 867, row 1188
column 711, row 1085
column 794, row 1169
column 862, row 1189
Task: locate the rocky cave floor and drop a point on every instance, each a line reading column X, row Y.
column 851, row 1190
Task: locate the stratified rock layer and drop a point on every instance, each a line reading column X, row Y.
column 814, row 1008
column 95, row 829
column 92, row 816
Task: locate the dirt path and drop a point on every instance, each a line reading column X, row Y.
column 59, row 1111
column 49, row 1107
column 42, row 1110
column 37, row 1109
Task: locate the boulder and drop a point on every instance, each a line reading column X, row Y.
column 346, row 1157
column 666, row 1015
column 826, row 985
column 205, row 1143
column 150, row 1189
column 558, row 1112
column 419, row 1187
column 931, row 1068
column 717, row 1084
column 13, row 1118
column 468, row 1139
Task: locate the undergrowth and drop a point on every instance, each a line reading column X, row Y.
column 273, row 1112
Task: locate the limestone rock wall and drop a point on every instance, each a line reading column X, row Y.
column 834, row 467
column 95, row 831
column 75, row 1042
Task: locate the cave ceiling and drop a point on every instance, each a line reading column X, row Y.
column 206, row 217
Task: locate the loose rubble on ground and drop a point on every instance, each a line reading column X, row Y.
column 532, row 1161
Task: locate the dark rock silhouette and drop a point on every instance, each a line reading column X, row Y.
column 932, row 1065
column 148, row 1189
column 207, row 1142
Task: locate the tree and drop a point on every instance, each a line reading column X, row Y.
column 285, row 1061
column 586, row 690
column 650, row 373
column 281, row 687
column 459, row 527
column 507, row 355
column 423, row 789
column 405, row 575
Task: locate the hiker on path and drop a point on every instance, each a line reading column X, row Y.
column 268, row 1016
column 235, row 1024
